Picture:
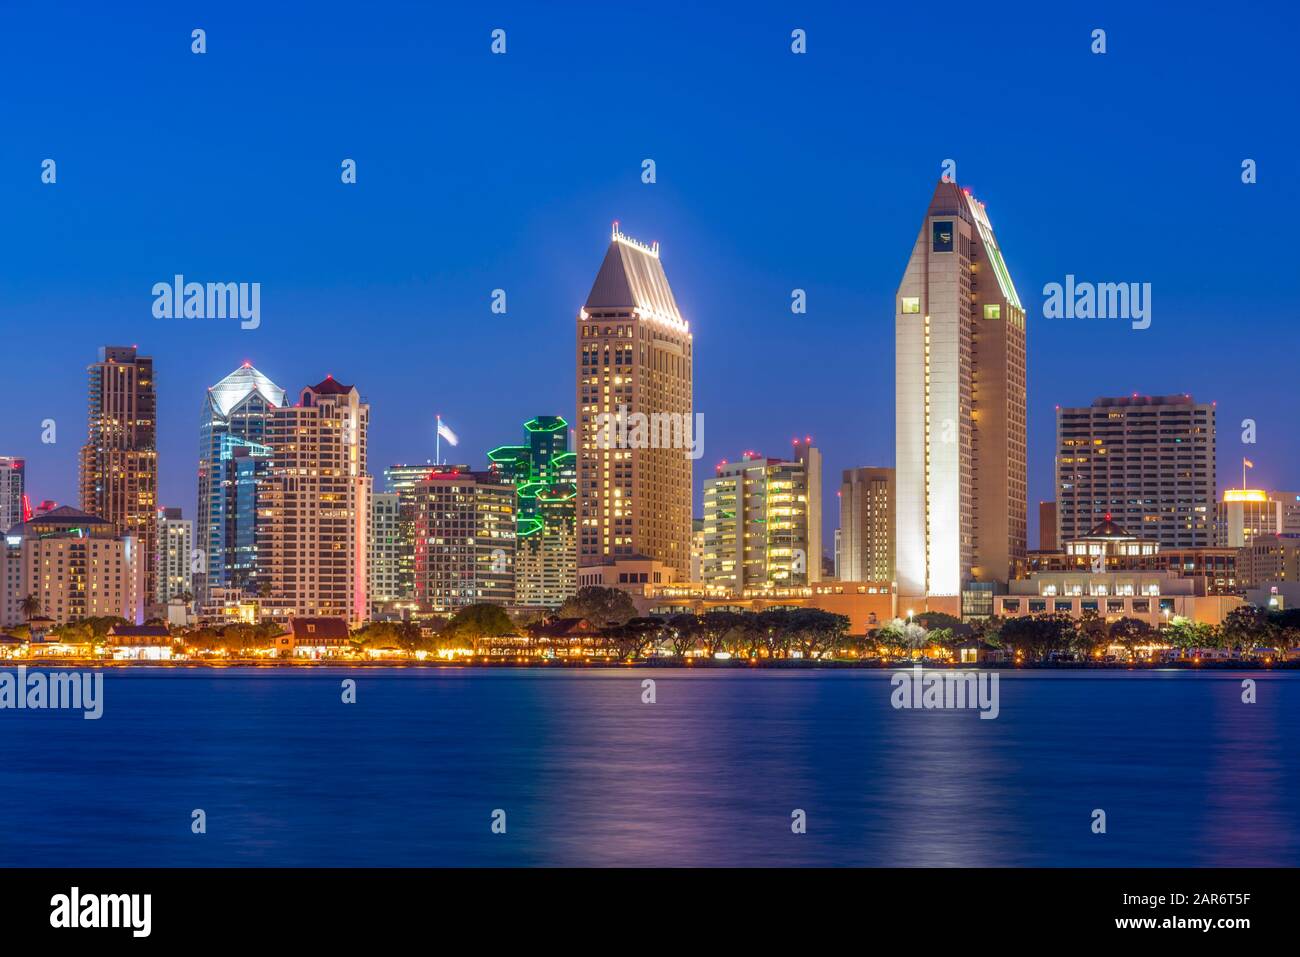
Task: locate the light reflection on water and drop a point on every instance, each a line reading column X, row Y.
column 707, row 776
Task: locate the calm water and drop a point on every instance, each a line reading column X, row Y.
column 588, row 775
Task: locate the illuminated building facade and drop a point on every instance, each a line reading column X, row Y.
column 1244, row 513
column 762, row 522
column 314, row 506
column 174, row 539
column 12, row 489
column 960, row 417
column 545, row 475
column 1147, row 460
column 464, row 539
column 402, row 479
column 866, row 534
column 119, row 462
column 634, row 358
column 233, row 457
column 77, row 566
column 386, row 546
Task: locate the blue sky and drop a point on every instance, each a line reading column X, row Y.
column 775, row 172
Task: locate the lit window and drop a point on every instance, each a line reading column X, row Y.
column 911, row 305
column 992, row 312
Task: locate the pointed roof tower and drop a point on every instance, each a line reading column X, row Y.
column 232, row 391
column 632, row 277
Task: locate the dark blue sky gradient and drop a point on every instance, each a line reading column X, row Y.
column 775, row 171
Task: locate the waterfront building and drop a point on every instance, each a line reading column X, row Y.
column 960, row 413
column 386, row 546
column 544, row 474
column 119, row 462
column 233, row 457
column 1108, row 547
column 865, row 550
column 634, row 365
column 402, row 479
column 1269, row 558
column 1147, row 460
column 867, row 605
column 762, row 521
column 1155, row 597
column 314, row 506
column 464, row 539
column 174, row 541
column 77, row 566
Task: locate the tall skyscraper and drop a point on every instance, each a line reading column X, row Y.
column 464, row 539
column 634, row 359
column 174, row 537
column 866, row 549
column 233, row 458
column 1146, row 461
column 314, row 505
column 960, row 417
column 385, row 551
column 762, row 522
column 119, row 462
column 544, row 474
column 13, row 473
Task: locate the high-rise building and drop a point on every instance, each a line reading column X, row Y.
column 1148, row 461
column 1269, row 558
column 544, row 474
column 385, row 551
column 1244, row 513
column 402, row 479
column 76, row 565
column 1047, row 526
column 762, row 522
column 233, row 458
column 960, row 436
column 634, row 367
column 464, row 539
column 174, row 540
column 866, row 533
column 119, row 462
column 314, row 506
column 12, row 488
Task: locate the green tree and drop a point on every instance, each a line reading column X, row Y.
column 600, row 606
column 1130, row 632
column 474, row 623
column 1246, row 626
column 716, row 627
column 684, row 632
column 1090, row 634
column 30, row 606
column 1036, row 637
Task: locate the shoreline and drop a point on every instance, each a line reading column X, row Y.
column 785, row 664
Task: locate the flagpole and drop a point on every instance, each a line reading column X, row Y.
column 437, row 453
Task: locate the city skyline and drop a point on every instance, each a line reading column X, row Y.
column 813, row 202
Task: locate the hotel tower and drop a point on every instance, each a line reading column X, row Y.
column 634, row 358
column 960, row 487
